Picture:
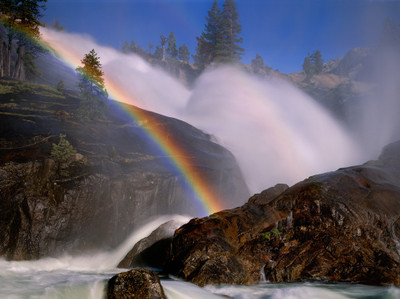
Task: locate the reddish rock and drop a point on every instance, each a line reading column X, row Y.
column 343, row 225
column 140, row 283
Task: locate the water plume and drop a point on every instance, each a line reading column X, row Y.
column 374, row 116
column 276, row 132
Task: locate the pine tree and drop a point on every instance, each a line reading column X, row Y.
column 57, row 26
column 257, row 64
column 91, row 73
column 62, row 153
column 228, row 49
column 151, row 47
column 317, row 61
column 211, row 35
column 313, row 64
column 23, row 15
column 172, row 51
column 126, row 48
column 158, row 53
column 163, row 43
column 308, row 67
column 92, row 88
column 17, row 17
column 184, row 54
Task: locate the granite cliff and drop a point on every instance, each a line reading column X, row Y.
column 114, row 181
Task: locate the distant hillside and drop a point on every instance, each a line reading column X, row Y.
column 348, row 82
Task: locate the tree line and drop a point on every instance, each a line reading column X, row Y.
column 167, row 48
column 20, row 21
column 219, row 41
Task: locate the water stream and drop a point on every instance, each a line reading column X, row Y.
column 86, row 276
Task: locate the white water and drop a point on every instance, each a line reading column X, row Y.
column 85, row 277
column 305, row 291
column 71, row 276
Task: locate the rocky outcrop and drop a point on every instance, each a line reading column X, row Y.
column 115, row 182
column 343, row 225
column 140, row 283
column 152, row 251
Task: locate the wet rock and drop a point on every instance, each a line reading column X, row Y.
column 152, row 251
column 116, row 180
column 140, row 283
column 342, row 226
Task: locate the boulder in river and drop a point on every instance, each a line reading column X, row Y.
column 140, row 283
column 342, row 226
column 152, row 251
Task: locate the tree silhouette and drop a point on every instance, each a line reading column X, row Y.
column 19, row 18
column 172, row 51
column 184, row 54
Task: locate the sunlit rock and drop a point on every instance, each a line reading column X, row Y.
column 140, row 283
column 341, row 226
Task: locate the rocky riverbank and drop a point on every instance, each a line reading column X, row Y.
column 342, row 226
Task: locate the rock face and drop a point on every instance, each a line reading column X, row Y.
column 343, row 225
column 140, row 283
column 115, row 181
column 152, row 251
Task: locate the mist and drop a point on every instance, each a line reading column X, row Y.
column 277, row 133
column 374, row 117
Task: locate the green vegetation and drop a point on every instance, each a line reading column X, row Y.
column 258, row 66
column 219, row 41
column 313, row 64
column 22, row 88
column 273, row 233
column 91, row 87
column 172, row 51
column 91, row 74
column 62, row 153
column 20, row 18
column 60, row 86
column 184, row 54
column 57, row 26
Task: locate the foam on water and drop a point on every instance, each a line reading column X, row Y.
column 306, row 290
column 68, row 276
column 175, row 289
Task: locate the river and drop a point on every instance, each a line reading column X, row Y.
column 86, row 276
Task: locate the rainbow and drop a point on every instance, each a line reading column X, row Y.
column 202, row 194
column 205, row 197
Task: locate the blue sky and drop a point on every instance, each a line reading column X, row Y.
column 281, row 31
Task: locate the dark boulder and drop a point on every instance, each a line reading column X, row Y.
column 342, row 226
column 152, row 251
column 140, row 283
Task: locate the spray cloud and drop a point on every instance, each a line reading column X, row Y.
column 276, row 132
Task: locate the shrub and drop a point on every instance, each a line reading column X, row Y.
column 62, row 154
column 60, row 87
column 22, row 88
